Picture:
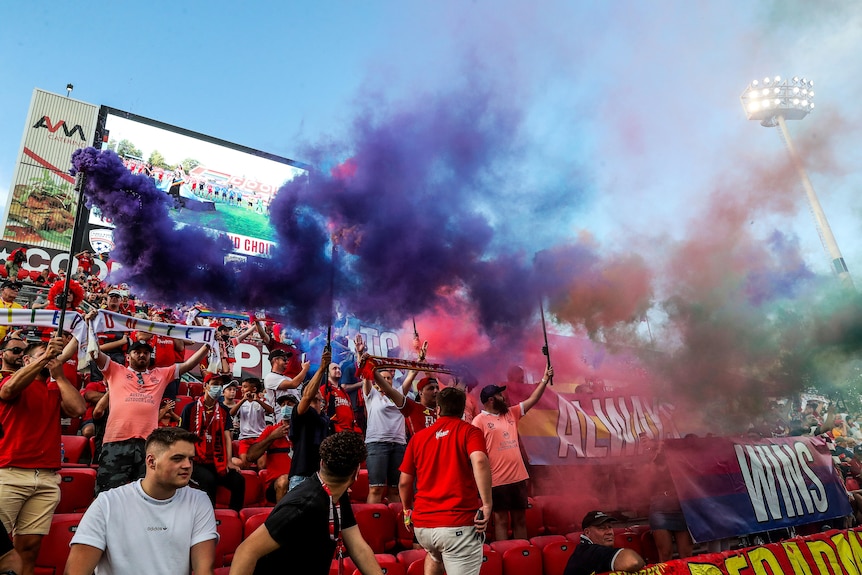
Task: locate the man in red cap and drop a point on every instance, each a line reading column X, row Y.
column 596, row 552
column 509, row 475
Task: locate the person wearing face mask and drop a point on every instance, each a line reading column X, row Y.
column 211, row 422
column 274, row 444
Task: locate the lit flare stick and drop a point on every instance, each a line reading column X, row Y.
column 545, row 350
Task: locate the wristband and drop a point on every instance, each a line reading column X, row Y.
column 408, row 518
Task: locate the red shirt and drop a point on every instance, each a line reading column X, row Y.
column 439, row 458
column 343, row 419
column 31, row 424
column 97, row 386
column 277, row 456
column 417, row 416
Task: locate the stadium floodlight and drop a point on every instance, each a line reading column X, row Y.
column 793, row 99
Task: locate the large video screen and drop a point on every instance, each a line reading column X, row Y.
column 223, row 187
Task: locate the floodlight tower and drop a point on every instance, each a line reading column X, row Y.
column 772, row 102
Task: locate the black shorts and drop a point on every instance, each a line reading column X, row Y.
column 512, row 496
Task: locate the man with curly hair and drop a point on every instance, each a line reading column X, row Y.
column 297, row 534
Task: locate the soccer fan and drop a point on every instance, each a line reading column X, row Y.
column 277, row 382
column 8, row 293
column 448, row 463
column 174, row 525
column 309, row 426
column 297, row 532
column 210, row 421
column 134, row 398
column 251, row 410
column 273, row 446
column 509, row 475
column 30, row 403
column 596, row 552
column 385, row 437
column 273, row 342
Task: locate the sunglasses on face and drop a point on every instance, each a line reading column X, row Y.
column 15, row 350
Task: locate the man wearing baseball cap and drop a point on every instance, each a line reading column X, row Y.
column 8, row 293
column 499, row 424
column 596, row 552
column 134, row 398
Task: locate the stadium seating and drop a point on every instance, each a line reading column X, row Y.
column 348, row 566
column 77, row 488
column 230, row 530
column 376, row 522
column 648, row 549
column 388, row 564
column 196, row 389
column 518, row 556
column 359, row 489
column 253, row 491
column 55, row 545
column 417, row 567
column 535, row 519
column 574, row 536
column 252, row 523
column 543, row 541
column 181, row 402
column 625, row 537
column 555, row 556
column 410, row 555
column 76, row 451
column 247, row 512
column 492, row 562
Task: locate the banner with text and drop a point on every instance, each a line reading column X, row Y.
column 833, row 552
column 581, row 428
column 754, row 485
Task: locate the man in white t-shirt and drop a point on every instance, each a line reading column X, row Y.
column 278, row 383
column 157, row 524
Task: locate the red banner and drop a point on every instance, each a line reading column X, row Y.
column 830, row 553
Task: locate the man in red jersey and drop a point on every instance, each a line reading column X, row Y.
column 449, row 465
column 30, row 402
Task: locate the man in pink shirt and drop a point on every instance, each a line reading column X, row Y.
column 134, row 395
column 509, row 475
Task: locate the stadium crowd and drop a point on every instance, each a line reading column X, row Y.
column 325, row 441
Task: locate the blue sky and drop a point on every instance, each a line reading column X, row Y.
column 634, row 106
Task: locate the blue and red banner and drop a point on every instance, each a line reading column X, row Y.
column 729, row 487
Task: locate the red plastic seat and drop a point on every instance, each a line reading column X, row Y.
column 247, row 512
column 648, row 549
column 72, row 427
column 535, row 519
column 388, row 564
column 182, row 388
column 403, row 536
column 359, row 490
column 503, row 546
column 574, row 536
column 252, row 523
column 77, row 489
column 348, row 566
column 409, row 556
column 377, row 524
column 624, row 537
column 492, row 562
column 556, row 555
column 76, row 451
column 520, row 560
column 181, row 402
column 229, row 529
column 55, row 545
column 416, row 568
column 543, row 541
column 196, row 389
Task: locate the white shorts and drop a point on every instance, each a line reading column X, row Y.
column 459, row 548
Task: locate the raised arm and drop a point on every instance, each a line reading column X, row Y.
column 310, row 391
column 540, row 389
column 27, row 374
column 396, row 396
column 258, row 325
column 246, row 333
column 194, row 360
column 71, row 400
